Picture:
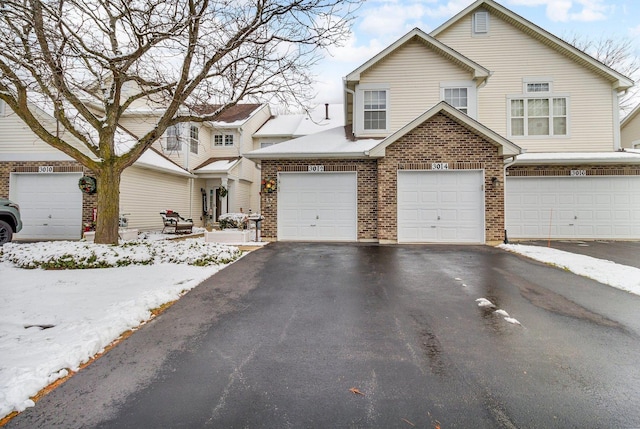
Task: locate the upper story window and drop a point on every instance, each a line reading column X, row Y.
column 537, row 87
column 375, row 110
column 538, row 111
column 548, row 116
column 173, row 138
column 194, row 139
column 1, row 108
column 461, row 95
column 223, row 140
column 480, row 22
column 371, row 109
column 458, row 98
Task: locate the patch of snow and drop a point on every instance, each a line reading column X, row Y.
column 607, row 272
column 86, row 309
column 483, row 302
column 502, row 313
column 512, row 320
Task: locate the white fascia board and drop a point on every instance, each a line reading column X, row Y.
column 578, row 158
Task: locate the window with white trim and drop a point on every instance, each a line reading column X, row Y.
column 461, row 95
column 458, row 98
column 173, row 138
column 375, row 110
column 194, row 139
column 223, row 140
column 545, row 116
column 1, row 108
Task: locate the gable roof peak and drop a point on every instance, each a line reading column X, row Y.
column 620, row 81
column 480, row 73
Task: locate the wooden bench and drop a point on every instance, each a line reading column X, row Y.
column 175, row 224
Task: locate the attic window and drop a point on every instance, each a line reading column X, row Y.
column 481, row 22
column 538, row 87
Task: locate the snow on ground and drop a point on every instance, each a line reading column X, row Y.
column 52, row 321
column 606, row 272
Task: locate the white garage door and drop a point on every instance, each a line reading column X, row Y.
column 573, row 207
column 50, row 205
column 440, row 206
column 317, row 206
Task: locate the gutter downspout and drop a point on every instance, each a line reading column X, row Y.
column 616, row 120
column 504, row 175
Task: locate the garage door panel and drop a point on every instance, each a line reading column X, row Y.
column 580, row 207
column 450, row 207
column 50, row 205
column 317, row 206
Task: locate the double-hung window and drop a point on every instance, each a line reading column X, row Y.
column 194, row 139
column 461, row 95
column 538, row 112
column 173, row 138
column 458, row 98
column 375, row 110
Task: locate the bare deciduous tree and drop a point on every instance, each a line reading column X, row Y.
column 617, row 54
column 89, row 62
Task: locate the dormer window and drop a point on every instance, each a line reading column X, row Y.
column 480, row 23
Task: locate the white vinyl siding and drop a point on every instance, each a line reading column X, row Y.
column 144, row 193
column 630, row 134
column 413, row 76
column 513, row 55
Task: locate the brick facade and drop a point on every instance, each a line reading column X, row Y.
column 439, row 139
column 89, row 202
column 367, row 192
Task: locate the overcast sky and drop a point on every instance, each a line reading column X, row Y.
column 380, row 22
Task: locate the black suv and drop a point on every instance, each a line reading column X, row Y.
column 10, row 222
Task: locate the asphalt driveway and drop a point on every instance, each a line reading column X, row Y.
column 283, row 336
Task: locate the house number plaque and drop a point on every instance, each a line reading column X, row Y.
column 316, row 168
column 45, row 169
column 439, row 165
column 578, row 172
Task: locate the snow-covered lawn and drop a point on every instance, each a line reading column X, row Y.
column 52, row 321
column 606, row 272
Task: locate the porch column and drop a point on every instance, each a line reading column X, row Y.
column 223, row 200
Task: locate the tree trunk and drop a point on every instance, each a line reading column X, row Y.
column 108, row 193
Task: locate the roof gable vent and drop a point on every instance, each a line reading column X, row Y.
column 481, row 22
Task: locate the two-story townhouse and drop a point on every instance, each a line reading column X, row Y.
column 195, row 169
column 211, row 150
column 435, row 141
column 45, row 182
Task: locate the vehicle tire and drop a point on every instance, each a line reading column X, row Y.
column 6, row 233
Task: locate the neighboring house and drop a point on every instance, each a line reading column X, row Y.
column 44, row 181
column 185, row 171
column 487, row 126
column 630, row 129
column 290, row 126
